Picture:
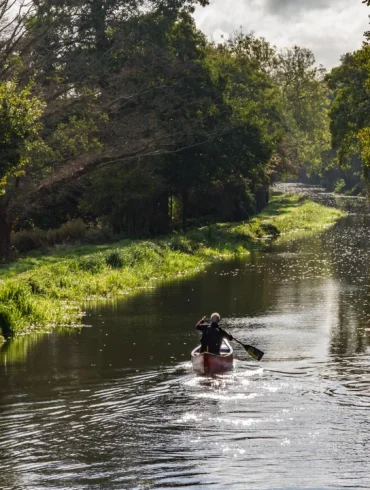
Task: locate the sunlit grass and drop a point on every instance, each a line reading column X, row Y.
column 303, row 215
column 41, row 291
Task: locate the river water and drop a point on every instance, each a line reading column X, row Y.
column 116, row 405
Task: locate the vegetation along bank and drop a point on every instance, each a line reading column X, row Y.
column 39, row 293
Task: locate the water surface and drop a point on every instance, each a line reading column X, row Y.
column 116, row 405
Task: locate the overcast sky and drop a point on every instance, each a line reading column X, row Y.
column 329, row 28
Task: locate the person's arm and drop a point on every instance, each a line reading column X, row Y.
column 201, row 324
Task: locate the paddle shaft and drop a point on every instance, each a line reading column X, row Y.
column 252, row 351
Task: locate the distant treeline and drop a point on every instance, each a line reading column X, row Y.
column 122, row 115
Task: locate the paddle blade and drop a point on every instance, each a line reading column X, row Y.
column 254, row 352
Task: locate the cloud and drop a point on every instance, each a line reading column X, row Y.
column 330, row 28
column 296, row 7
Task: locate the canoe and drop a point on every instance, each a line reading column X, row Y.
column 207, row 363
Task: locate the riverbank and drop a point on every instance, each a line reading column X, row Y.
column 46, row 291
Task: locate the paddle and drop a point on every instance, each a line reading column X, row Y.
column 252, row 351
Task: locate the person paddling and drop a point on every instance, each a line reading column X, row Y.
column 212, row 334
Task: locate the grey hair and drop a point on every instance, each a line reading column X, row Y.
column 215, row 317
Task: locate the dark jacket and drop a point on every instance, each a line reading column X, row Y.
column 212, row 337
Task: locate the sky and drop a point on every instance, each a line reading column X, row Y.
column 329, row 28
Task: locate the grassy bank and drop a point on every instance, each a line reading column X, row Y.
column 43, row 291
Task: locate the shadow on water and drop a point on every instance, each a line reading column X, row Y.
column 117, row 406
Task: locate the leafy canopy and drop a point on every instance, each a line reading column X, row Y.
column 20, row 113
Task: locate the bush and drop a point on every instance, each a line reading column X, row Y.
column 355, row 191
column 115, row 259
column 27, row 240
column 16, row 303
column 22, row 308
column 72, row 232
column 180, row 243
column 270, row 230
column 144, row 251
column 339, row 186
column 99, row 235
column 92, row 263
column 7, row 319
column 69, row 232
column 197, row 236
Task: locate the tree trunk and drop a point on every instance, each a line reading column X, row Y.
column 261, row 198
column 185, row 206
column 162, row 215
column 5, row 234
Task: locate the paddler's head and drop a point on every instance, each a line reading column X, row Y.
column 215, row 318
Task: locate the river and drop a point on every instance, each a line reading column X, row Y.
column 115, row 405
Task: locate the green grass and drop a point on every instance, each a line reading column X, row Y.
column 42, row 291
column 293, row 214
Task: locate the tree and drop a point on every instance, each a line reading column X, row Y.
column 113, row 85
column 232, row 109
column 350, row 110
column 304, row 109
column 20, row 112
column 238, row 157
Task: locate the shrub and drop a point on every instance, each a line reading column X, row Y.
column 339, row 186
column 270, row 229
column 92, row 263
column 16, row 303
column 211, row 234
column 99, row 235
column 71, row 232
column 27, row 240
column 180, row 244
column 7, row 314
column 68, row 232
column 115, row 259
column 355, row 191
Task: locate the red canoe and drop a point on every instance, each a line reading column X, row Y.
column 207, row 363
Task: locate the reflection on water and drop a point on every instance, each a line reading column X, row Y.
column 116, row 406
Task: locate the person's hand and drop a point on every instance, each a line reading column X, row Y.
column 231, row 337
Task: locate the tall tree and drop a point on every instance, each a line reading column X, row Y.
column 19, row 125
column 305, row 103
column 238, row 157
column 350, row 111
column 112, row 85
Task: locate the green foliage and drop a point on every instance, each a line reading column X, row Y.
column 297, row 214
column 93, row 263
column 304, row 105
column 145, row 124
column 350, row 114
column 339, row 186
column 27, row 240
column 20, row 112
column 22, row 309
column 354, row 191
column 115, row 259
column 70, row 232
column 183, row 244
column 270, row 230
